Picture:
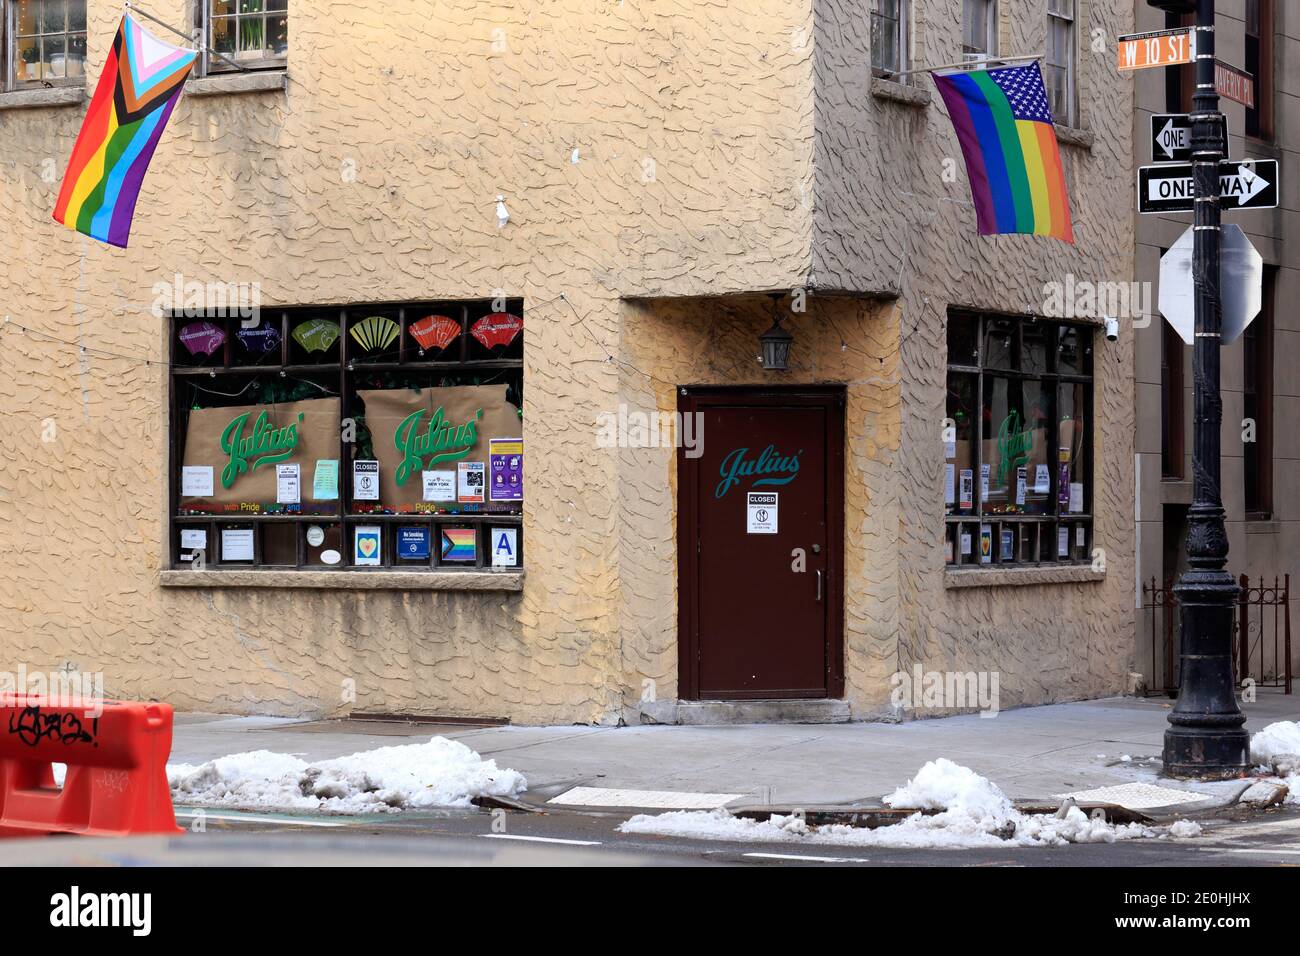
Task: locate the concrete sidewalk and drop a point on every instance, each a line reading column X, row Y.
column 1032, row 752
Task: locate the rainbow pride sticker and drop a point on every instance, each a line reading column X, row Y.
column 459, row 544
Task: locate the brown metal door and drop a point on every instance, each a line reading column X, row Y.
column 760, row 525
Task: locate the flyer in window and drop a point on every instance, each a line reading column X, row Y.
column 1042, row 480
column 439, row 485
column 967, row 488
column 506, row 474
column 366, row 545
column 505, row 547
column 470, row 478
column 287, row 484
column 237, row 544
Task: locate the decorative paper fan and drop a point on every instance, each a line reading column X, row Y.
column 435, row 331
column 316, row 335
column 499, row 328
column 260, row 339
column 375, row 332
column 202, row 337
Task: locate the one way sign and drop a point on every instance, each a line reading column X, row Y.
column 1171, row 137
column 1243, row 184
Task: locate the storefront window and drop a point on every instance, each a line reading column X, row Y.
column 377, row 437
column 1021, row 494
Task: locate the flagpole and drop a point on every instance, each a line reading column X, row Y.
column 203, row 47
column 987, row 61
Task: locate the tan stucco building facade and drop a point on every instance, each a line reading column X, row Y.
column 664, row 167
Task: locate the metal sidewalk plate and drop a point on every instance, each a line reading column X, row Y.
column 1137, row 796
column 658, row 799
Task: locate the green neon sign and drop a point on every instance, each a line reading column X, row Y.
column 1014, row 445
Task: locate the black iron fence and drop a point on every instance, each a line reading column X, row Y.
column 1261, row 633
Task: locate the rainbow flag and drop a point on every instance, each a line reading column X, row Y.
column 459, row 544
column 137, row 91
column 1005, row 129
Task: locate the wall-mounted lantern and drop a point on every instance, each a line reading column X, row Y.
column 775, row 342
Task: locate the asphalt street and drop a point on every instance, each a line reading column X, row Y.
column 484, row 837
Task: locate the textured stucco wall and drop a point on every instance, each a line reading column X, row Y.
column 692, row 123
column 887, row 219
column 722, row 148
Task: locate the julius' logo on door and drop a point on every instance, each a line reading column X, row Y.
column 769, row 468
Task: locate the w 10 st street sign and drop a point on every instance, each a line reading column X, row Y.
column 1243, row 184
column 1144, row 51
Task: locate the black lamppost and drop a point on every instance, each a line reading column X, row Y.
column 1206, row 736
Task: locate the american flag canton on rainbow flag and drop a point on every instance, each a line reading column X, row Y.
column 1004, row 125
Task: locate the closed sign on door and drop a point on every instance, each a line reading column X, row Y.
column 761, row 512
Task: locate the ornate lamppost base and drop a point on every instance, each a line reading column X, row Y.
column 1206, row 736
column 1206, row 753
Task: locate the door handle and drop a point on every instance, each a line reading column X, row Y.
column 819, row 584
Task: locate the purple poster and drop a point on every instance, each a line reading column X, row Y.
column 1063, row 486
column 506, row 469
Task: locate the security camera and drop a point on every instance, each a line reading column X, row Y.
column 1112, row 328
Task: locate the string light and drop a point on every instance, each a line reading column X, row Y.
column 580, row 319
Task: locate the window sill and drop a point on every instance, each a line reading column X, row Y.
column 349, row 580
column 1072, row 136
column 896, row 92
column 223, row 85
column 36, row 99
column 1011, row 577
column 1263, row 526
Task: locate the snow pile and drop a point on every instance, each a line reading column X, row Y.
column 1277, row 747
column 1185, row 830
column 440, row 773
column 1277, row 743
column 973, row 813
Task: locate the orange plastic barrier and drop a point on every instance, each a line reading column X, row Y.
column 116, row 755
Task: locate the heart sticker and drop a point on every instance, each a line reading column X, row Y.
column 367, row 546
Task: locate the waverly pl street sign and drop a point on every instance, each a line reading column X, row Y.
column 1243, row 184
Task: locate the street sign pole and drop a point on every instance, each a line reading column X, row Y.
column 1206, row 736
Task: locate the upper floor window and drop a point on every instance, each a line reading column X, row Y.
column 1060, row 60
column 979, row 27
column 252, row 33
column 888, row 36
column 1257, row 398
column 44, row 43
column 1259, row 64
